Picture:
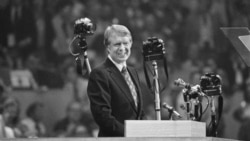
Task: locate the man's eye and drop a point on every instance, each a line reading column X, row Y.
column 118, row 44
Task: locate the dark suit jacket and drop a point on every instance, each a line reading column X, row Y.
column 111, row 101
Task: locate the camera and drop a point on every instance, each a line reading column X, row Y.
column 153, row 49
column 84, row 27
column 210, row 84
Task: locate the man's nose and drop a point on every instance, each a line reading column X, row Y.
column 123, row 46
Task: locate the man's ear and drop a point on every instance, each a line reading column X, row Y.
column 108, row 50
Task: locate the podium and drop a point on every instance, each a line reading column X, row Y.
column 164, row 128
column 187, row 127
column 148, row 130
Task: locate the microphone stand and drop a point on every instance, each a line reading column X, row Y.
column 156, row 91
column 196, row 109
column 213, row 118
column 188, row 107
column 83, row 46
column 187, row 101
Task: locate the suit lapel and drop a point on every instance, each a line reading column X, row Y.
column 117, row 77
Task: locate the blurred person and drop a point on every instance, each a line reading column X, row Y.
column 238, row 13
column 205, row 21
column 43, row 29
column 78, row 9
column 5, row 132
column 242, row 113
column 239, row 71
column 20, row 37
column 5, row 89
column 192, row 63
column 63, row 28
column 10, row 115
column 198, row 26
column 72, row 124
column 103, row 16
column 66, row 13
column 78, row 85
column 32, row 125
column 5, row 67
column 114, row 86
column 4, row 10
column 4, row 58
column 2, row 95
column 220, row 16
column 2, row 128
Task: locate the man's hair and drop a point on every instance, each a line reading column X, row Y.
column 119, row 30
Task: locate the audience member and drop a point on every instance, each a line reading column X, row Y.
column 11, row 113
column 32, row 125
column 72, row 124
column 242, row 114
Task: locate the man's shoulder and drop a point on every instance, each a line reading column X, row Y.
column 104, row 66
column 99, row 69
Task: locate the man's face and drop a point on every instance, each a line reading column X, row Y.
column 119, row 48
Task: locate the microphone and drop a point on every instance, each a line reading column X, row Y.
column 171, row 109
column 181, row 83
column 192, row 90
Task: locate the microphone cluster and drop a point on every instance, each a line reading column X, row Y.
column 193, row 91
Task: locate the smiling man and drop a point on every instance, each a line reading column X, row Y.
column 114, row 88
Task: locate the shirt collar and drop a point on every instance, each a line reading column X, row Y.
column 119, row 66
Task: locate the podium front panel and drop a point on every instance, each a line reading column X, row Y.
column 164, row 128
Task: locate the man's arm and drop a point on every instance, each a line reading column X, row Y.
column 100, row 103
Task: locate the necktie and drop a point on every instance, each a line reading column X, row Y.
column 130, row 84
